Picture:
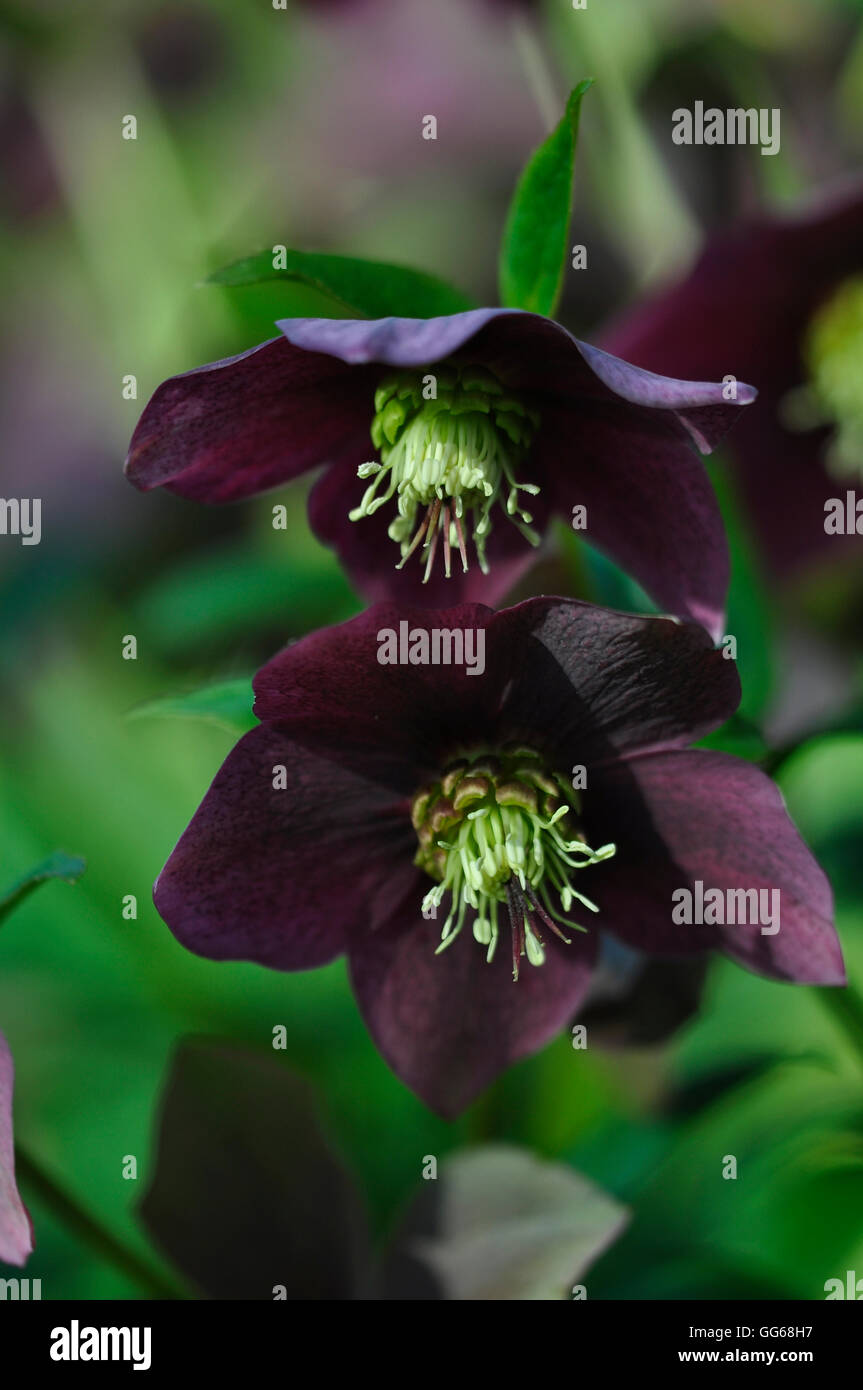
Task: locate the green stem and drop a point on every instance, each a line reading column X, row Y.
column 100, row 1240
column 845, row 1007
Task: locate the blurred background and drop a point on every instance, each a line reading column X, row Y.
column 301, row 126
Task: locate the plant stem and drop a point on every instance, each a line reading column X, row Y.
column 100, row 1240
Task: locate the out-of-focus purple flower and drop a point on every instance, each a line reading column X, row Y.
column 456, row 438
column 16, row 1233
column 504, row 771
column 780, row 302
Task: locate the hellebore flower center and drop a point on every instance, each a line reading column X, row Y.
column 450, row 443
column 834, row 353
column 498, row 829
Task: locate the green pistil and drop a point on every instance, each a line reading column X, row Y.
column 833, row 351
column 498, row 829
column 447, row 461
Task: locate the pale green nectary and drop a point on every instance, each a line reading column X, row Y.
column 498, row 828
column 450, row 444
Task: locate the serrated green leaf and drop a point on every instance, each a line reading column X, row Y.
column 228, row 704
column 371, row 289
column 535, row 243
column 68, row 867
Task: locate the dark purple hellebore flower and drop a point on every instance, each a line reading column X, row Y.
column 392, row 812
column 780, row 302
column 16, row 1233
column 457, row 438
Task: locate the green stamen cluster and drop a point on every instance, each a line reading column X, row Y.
column 834, row 354
column 498, row 829
column 447, row 458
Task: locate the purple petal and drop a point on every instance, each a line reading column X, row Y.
column 596, row 683
column 649, row 505
column 449, row 1024
column 248, row 423
column 586, row 682
column 700, row 405
column 529, row 352
column 16, row 1235
column 285, row 877
column 330, row 690
column 744, row 309
column 394, row 341
column 688, row 816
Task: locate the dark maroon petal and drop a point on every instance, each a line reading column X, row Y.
column 649, row 503
column 584, row 683
column 330, row 690
column 248, row 423
column 448, row 1024
column 700, row 405
column 688, row 816
column 596, row 683
column 370, row 556
column 16, row 1236
column 744, row 309
column 247, row 1195
column 284, row 877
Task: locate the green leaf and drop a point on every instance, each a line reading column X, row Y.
column 68, row 867
column 371, row 289
column 738, row 736
column 228, row 704
column 535, row 243
column 750, row 617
